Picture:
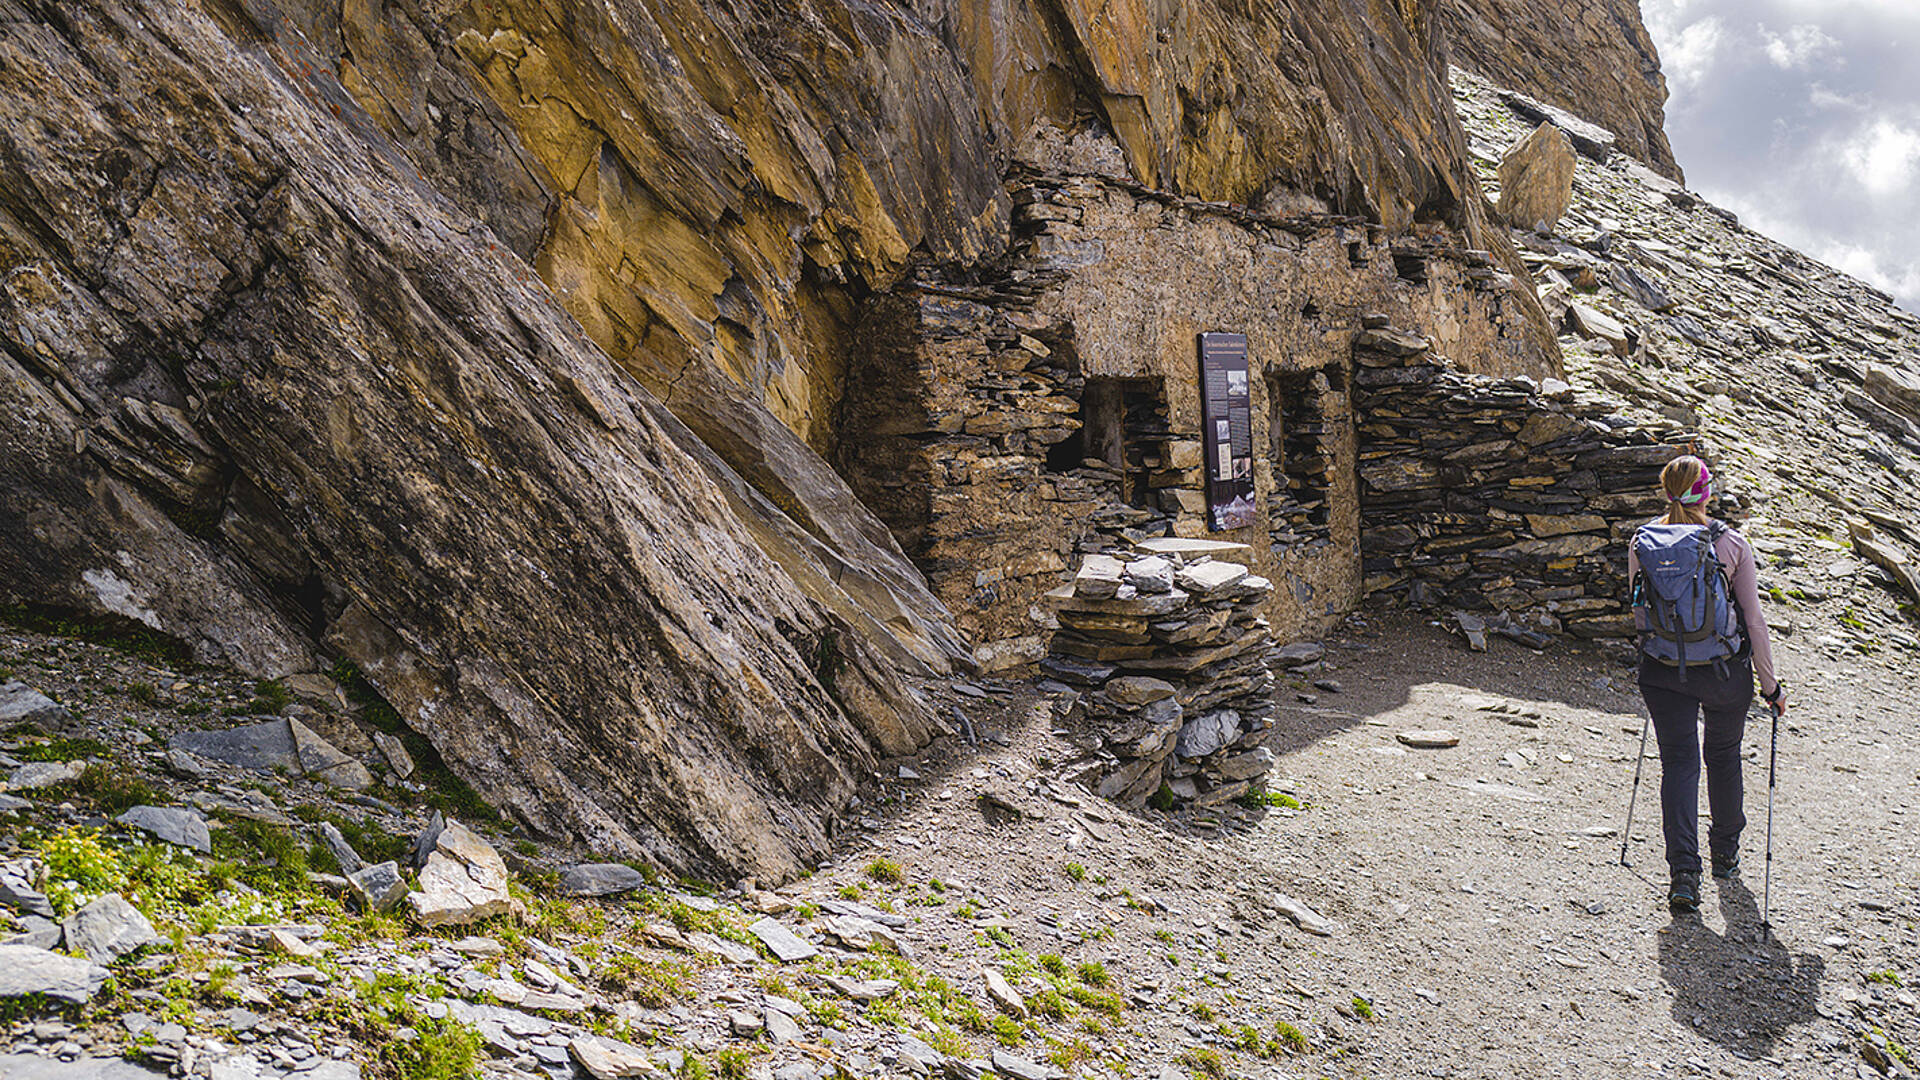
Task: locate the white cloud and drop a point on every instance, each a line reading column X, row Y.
column 1884, row 157
column 1871, row 266
column 1820, row 96
column 1886, row 10
column 1798, row 47
column 1690, row 56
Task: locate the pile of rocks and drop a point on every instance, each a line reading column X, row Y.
column 1171, row 654
column 1501, row 494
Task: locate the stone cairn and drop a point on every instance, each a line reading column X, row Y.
column 1171, row 656
column 1503, row 496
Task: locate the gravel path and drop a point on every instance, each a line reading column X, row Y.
column 1484, row 906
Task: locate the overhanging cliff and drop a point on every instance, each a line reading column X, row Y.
column 492, row 346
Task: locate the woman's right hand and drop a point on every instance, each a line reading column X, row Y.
column 1778, row 702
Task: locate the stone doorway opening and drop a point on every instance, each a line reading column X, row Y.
column 1306, row 411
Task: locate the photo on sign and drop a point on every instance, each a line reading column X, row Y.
column 1237, row 383
column 1236, row 514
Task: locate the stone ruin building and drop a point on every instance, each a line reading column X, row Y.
column 1006, row 427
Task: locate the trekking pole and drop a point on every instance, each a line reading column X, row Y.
column 1766, row 893
column 1639, row 762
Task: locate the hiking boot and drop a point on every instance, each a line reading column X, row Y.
column 1726, row 865
column 1684, row 894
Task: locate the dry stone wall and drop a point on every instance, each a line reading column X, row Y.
column 1172, row 658
column 1508, row 495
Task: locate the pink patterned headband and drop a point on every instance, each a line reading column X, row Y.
column 1702, row 488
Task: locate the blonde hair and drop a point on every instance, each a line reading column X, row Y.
column 1676, row 480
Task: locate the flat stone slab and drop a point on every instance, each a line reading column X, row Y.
column 600, row 879
column 176, row 825
column 611, row 1059
column 1099, row 577
column 863, row 989
column 1302, row 915
column 786, row 944
column 1128, row 601
column 855, row 932
column 39, row 774
column 1185, row 548
column 1437, row 739
column 36, row 1067
column 261, row 747
column 22, row 704
column 1151, row 575
column 1300, row 653
column 1210, row 577
column 1004, row 995
column 396, row 754
column 1019, row 1068
column 324, row 761
column 27, row 970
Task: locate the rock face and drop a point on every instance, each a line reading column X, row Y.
column 1536, row 179
column 268, row 383
column 1591, row 57
column 490, row 346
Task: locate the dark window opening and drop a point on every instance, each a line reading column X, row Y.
column 1410, row 267
column 1357, row 254
column 1305, row 409
column 1310, row 311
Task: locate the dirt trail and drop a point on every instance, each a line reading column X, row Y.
column 1480, row 905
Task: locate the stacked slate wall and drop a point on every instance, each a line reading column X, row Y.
column 1499, row 494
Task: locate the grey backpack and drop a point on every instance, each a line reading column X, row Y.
column 1688, row 601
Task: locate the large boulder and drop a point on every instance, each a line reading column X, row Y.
column 1536, row 179
column 464, row 881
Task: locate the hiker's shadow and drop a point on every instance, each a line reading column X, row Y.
column 1741, row 989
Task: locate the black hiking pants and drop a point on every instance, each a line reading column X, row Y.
column 1676, row 709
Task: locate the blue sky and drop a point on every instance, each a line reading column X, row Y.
column 1803, row 117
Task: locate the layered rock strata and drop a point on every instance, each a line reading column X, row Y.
column 1592, row 57
column 1509, row 495
column 268, row 387
column 1171, row 654
column 345, row 332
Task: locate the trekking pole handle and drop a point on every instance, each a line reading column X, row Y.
column 1777, row 701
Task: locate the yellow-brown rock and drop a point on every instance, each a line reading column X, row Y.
column 1536, row 179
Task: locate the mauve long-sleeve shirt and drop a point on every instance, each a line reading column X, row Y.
column 1736, row 555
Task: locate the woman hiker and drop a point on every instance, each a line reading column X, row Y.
column 1683, row 675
